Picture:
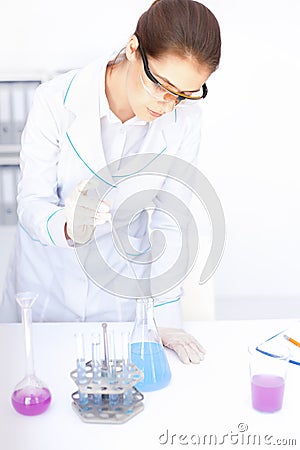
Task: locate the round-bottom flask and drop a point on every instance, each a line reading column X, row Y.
column 147, row 351
column 31, row 396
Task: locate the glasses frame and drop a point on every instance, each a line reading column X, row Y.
column 179, row 97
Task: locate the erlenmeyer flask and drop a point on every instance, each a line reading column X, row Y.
column 147, row 351
column 31, row 396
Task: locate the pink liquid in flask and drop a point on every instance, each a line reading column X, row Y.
column 267, row 392
column 31, row 401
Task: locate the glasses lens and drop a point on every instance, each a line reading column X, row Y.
column 157, row 91
column 162, row 93
column 192, row 96
column 168, row 97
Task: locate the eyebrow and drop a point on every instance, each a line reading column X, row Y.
column 171, row 84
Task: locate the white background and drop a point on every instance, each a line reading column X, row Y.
column 250, row 141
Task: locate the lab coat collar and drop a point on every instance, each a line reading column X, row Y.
column 84, row 131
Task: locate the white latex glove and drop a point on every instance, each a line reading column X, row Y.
column 90, row 211
column 186, row 346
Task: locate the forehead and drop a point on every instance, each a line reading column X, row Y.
column 184, row 73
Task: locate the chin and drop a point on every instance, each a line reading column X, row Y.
column 145, row 117
column 144, row 112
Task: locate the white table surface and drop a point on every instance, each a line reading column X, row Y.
column 210, row 398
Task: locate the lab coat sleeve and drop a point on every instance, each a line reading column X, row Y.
column 39, row 210
column 168, row 306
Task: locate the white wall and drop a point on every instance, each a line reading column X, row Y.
column 60, row 34
column 251, row 147
column 251, row 130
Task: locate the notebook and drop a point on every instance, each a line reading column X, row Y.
column 279, row 339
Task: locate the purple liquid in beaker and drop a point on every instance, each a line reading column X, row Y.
column 31, row 401
column 267, row 392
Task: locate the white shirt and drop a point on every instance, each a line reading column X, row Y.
column 119, row 139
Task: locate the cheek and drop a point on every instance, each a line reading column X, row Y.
column 137, row 97
column 133, row 85
column 135, row 92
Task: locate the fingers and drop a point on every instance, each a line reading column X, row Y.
column 92, row 203
column 82, row 190
column 87, row 210
column 80, row 235
column 190, row 340
column 103, row 207
column 182, row 353
column 82, row 187
column 188, row 353
column 200, row 348
column 101, row 218
column 188, row 349
column 84, row 211
column 195, row 355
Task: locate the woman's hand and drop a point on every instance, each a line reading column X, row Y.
column 89, row 213
column 186, row 346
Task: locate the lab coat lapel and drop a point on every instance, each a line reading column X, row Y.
column 84, row 131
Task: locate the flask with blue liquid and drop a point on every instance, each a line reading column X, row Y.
column 147, row 351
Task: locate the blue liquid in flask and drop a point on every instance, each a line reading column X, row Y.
column 151, row 359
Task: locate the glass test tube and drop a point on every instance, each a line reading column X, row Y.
column 126, row 361
column 96, row 365
column 81, row 367
column 105, row 355
column 113, row 398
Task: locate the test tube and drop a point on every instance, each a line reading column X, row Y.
column 96, row 365
column 126, row 361
column 105, row 359
column 81, row 367
column 113, row 398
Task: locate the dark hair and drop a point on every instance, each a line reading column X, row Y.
column 183, row 27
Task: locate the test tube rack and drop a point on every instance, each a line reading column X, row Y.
column 103, row 411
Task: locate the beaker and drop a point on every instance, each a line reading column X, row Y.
column 147, row 351
column 268, row 372
column 31, row 396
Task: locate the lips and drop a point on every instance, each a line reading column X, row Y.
column 153, row 113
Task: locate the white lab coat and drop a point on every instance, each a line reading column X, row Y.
column 61, row 145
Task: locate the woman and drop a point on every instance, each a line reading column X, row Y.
column 87, row 119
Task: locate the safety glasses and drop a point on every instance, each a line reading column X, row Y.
column 163, row 93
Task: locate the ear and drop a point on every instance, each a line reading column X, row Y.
column 132, row 47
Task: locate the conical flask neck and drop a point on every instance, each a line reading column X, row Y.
column 145, row 328
column 144, row 310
